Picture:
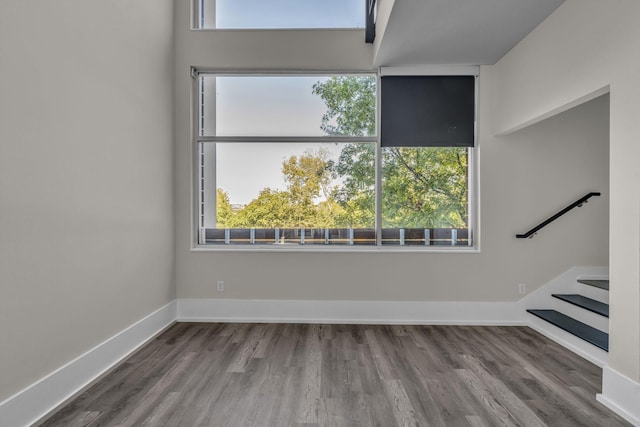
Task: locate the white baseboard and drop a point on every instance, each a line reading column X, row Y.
column 620, row 394
column 362, row 312
column 40, row 398
column 577, row 345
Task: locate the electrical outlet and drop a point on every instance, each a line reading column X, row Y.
column 220, row 286
column 522, row 288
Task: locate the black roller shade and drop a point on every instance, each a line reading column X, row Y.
column 427, row 111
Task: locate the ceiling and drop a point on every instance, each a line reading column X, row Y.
column 469, row 32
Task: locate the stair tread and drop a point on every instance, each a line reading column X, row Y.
column 586, row 303
column 579, row 329
column 599, row 283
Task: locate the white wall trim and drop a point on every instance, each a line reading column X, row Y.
column 41, row 397
column 620, row 394
column 580, row 347
column 356, row 312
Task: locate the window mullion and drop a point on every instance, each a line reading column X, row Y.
column 291, row 139
column 378, row 171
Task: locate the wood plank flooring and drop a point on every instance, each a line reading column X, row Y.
column 207, row 374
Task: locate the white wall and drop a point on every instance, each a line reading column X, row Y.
column 524, row 178
column 587, row 45
column 86, row 222
column 383, row 14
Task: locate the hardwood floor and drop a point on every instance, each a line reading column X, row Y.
column 197, row 374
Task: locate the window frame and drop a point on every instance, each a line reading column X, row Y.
column 197, row 139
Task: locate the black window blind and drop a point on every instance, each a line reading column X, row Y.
column 427, row 111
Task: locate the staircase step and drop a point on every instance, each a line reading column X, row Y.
column 586, row 303
column 602, row 284
column 579, row 329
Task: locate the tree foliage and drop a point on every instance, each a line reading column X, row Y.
column 351, row 105
column 356, row 167
column 272, row 208
column 424, row 187
column 308, row 176
column 306, row 203
column 351, row 111
column 224, row 212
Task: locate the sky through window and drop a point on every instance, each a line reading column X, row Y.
column 281, row 14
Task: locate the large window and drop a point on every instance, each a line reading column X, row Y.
column 296, row 160
column 279, row 14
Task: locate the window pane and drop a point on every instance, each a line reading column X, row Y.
column 302, row 193
column 425, row 196
column 288, row 105
column 265, row 14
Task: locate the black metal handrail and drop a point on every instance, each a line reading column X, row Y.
column 578, row 203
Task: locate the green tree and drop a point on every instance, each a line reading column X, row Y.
column 424, row 187
column 356, row 169
column 224, row 212
column 306, row 203
column 351, row 105
column 271, row 209
column 308, row 176
column 351, row 111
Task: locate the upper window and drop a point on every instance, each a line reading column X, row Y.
column 279, row 14
column 288, row 105
column 295, row 159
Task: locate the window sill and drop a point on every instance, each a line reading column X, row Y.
column 337, row 249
